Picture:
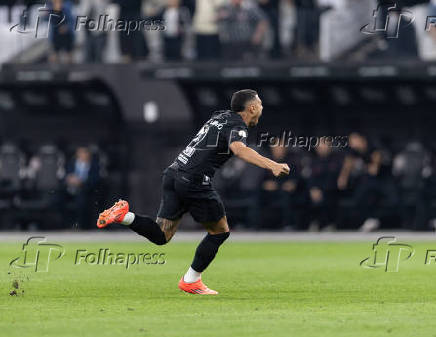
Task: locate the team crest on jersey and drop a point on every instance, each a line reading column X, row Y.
column 242, row 133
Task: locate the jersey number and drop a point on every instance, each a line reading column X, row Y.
column 192, row 147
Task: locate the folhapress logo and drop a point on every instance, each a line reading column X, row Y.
column 52, row 18
column 37, row 254
column 387, row 253
column 387, row 19
column 105, row 256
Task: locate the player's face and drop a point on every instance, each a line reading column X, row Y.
column 256, row 108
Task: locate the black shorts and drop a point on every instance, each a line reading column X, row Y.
column 181, row 194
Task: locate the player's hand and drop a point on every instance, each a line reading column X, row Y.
column 280, row 170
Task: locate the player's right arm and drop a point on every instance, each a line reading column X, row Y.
column 250, row 156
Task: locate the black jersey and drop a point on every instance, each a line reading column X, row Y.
column 209, row 149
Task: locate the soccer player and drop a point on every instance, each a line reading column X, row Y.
column 187, row 186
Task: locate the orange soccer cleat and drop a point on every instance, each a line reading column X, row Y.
column 197, row 287
column 114, row 214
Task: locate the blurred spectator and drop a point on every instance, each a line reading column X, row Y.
column 95, row 38
column 133, row 46
column 205, row 27
column 177, row 21
column 366, row 175
column 61, row 34
column 322, row 187
column 242, row 29
column 189, row 5
column 411, row 167
column 12, row 164
column 238, row 183
column 282, row 201
column 353, row 166
column 287, row 23
column 271, row 9
column 295, row 190
column 426, row 203
column 307, row 28
column 83, row 176
column 41, row 199
column 273, row 194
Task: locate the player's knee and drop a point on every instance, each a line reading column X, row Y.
column 226, row 235
column 166, row 238
column 162, row 242
column 219, row 238
column 219, row 228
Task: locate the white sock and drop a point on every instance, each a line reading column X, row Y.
column 128, row 218
column 191, row 276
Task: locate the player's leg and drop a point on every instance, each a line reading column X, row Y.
column 160, row 231
column 209, row 211
column 218, row 232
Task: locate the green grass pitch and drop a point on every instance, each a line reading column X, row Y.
column 266, row 289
